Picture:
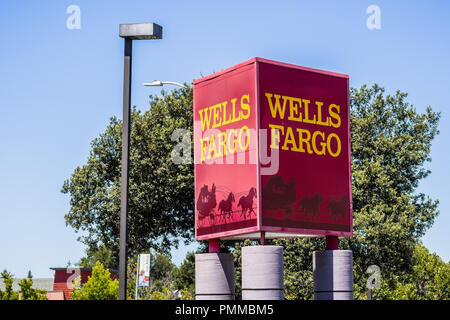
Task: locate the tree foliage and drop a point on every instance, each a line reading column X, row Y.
column 99, row 286
column 298, row 269
column 170, row 293
column 26, row 291
column 8, row 281
column 161, row 192
column 185, row 274
column 429, row 280
column 99, row 253
column 167, row 281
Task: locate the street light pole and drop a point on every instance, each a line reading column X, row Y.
column 123, row 254
column 130, row 32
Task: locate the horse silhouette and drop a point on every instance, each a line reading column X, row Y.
column 206, row 203
column 246, row 203
column 278, row 195
column 338, row 208
column 310, row 205
column 226, row 207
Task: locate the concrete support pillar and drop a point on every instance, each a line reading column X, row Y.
column 262, row 273
column 333, row 275
column 214, row 276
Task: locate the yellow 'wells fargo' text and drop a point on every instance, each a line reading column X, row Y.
column 303, row 110
column 221, row 114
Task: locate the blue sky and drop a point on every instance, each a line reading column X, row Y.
column 59, row 87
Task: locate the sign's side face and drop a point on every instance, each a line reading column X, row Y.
column 225, row 145
column 307, row 117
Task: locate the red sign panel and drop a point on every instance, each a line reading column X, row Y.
column 272, row 152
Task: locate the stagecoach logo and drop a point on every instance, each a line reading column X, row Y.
column 280, row 198
column 206, row 205
column 280, row 201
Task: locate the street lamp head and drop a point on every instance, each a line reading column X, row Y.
column 155, row 83
column 159, row 83
column 140, row 31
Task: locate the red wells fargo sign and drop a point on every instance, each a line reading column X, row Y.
column 272, row 152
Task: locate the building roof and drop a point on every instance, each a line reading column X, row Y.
column 79, row 268
column 71, row 267
column 38, row 283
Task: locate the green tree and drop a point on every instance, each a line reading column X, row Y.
column 429, row 280
column 185, row 274
column 298, row 270
column 8, row 281
column 170, row 293
column 99, row 286
column 161, row 192
column 236, row 250
column 391, row 142
column 27, row 292
column 161, row 271
column 167, row 282
column 431, row 275
column 100, row 253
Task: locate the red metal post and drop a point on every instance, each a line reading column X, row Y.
column 331, row 243
column 262, row 240
column 214, row 246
